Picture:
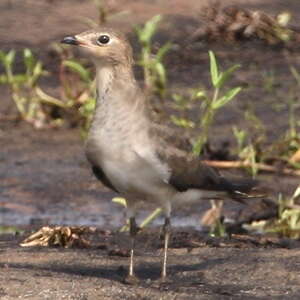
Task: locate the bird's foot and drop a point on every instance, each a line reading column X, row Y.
column 131, row 279
column 164, row 279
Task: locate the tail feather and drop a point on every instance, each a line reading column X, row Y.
column 241, row 188
column 238, row 185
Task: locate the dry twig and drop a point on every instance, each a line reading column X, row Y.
column 243, row 164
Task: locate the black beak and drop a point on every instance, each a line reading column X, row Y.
column 71, row 40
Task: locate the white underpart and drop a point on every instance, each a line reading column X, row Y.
column 128, row 160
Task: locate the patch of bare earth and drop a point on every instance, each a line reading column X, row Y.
column 199, row 268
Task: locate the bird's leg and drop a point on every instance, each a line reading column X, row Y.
column 166, row 232
column 133, row 229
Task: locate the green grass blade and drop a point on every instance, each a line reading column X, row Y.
column 79, row 69
column 10, row 57
column 214, row 73
column 162, row 51
column 150, row 28
column 225, row 75
column 28, row 60
column 226, row 98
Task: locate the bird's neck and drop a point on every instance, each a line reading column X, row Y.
column 115, row 84
column 119, row 98
column 105, row 77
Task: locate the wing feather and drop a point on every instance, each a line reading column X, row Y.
column 187, row 171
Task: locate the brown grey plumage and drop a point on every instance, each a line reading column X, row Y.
column 131, row 154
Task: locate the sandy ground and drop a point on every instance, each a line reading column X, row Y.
column 224, row 269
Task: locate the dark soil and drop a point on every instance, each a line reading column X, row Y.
column 240, row 268
column 45, row 178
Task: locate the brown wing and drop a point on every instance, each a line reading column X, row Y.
column 187, row 171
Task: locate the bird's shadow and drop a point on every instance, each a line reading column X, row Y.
column 148, row 275
column 144, row 271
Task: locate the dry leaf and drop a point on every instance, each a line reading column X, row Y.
column 63, row 236
column 295, row 157
column 213, row 214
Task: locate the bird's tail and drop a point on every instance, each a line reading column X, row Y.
column 241, row 189
column 237, row 189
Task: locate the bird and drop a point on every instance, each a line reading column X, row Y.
column 133, row 155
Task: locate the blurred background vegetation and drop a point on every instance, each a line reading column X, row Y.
column 264, row 133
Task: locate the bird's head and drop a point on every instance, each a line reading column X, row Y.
column 104, row 46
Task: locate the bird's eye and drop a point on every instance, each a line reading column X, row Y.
column 103, row 39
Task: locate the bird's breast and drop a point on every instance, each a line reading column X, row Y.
column 121, row 146
column 131, row 165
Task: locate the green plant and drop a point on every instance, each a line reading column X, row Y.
column 251, row 151
column 240, row 136
column 105, row 13
column 293, row 104
column 212, row 104
column 77, row 86
column 10, row 230
column 296, row 75
column 289, row 143
column 282, row 30
column 182, row 105
column 247, row 152
column 145, row 222
column 218, row 229
column 36, row 106
column 288, row 222
column 31, row 101
column 81, row 95
column 209, row 105
column 292, row 136
column 154, row 71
